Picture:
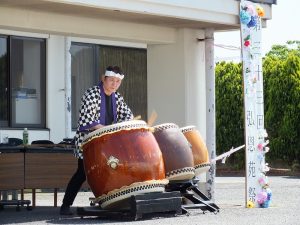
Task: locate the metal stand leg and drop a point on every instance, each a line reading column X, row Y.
column 190, row 191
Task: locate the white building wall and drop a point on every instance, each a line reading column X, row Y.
column 176, row 80
column 166, row 81
column 205, row 10
column 55, row 87
column 194, row 56
column 75, row 25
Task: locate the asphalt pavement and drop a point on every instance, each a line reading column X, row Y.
column 229, row 196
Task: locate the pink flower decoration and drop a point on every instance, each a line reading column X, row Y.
column 261, row 180
column 247, row 43
column 260, row 146
column 262, row 197
column 251, row 10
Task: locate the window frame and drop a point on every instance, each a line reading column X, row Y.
column 95, row 49
column 43, row 86
column 7, row 123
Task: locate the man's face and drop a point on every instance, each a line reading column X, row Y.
column 111, row 84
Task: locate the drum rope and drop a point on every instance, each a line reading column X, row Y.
column 225, row 155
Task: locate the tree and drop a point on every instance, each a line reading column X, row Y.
column 282, row 51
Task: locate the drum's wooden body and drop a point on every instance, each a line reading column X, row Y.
column 177, row 155
column 199, row 149
column 121, row 160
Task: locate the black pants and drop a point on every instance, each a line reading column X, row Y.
column 74, row 184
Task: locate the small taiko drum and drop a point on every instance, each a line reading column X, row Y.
column 199, row 149
column 177, row 155
column 121, row 160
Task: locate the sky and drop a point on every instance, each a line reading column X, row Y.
column 284, row 26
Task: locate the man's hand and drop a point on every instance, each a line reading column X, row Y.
column 96, row 127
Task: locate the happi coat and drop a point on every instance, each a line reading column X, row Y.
column 92, row 112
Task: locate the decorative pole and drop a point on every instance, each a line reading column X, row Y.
column 258, row 193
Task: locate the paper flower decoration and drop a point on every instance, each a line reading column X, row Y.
column 250, row 9
column 260, row 11
column 250, row 204
column 262, row 197
column 267, row 149
column 245, row 17
column 263, row 180
column 263, row 133
column 247, row 43
column 265, row 168
column 266, row 204
column 265, row 198
column 260, row 157
column 252, row 22
column 260, row 146
column 269, row 194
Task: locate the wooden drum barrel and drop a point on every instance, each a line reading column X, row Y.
column 121, row 160
column 199, row 149
column 177, row 155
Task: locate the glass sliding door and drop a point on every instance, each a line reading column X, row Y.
column 89, row 62
column 27, row 82
column 133, row 62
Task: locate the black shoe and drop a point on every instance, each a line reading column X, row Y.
column 65, row 211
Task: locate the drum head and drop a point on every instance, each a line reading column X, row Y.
column 127, row 125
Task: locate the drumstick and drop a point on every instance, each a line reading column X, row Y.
column 152, row 118
column 138, row 117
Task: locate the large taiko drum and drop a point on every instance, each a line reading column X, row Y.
column 121, row 160
column 177, row 155
column 199, row 149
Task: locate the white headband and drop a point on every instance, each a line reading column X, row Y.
column 113, row 74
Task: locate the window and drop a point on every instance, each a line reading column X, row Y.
column 24, row 87
column 89, row 63
column 133, row 62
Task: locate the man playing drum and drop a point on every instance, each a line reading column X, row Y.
column 100, row 106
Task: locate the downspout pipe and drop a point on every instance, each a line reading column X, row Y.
column 68, row 119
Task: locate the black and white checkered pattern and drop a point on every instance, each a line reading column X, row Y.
column 90, row 113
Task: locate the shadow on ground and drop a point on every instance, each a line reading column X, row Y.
column 46, row 214
column 50, row 215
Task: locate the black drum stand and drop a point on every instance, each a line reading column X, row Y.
column 137, row 206
column 171, row 202
column 189, row 191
